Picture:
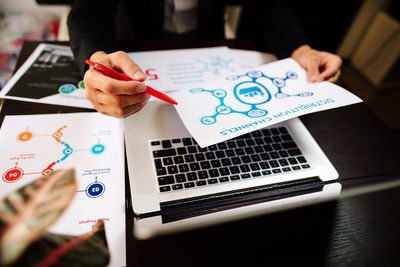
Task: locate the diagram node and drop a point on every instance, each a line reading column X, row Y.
column 256, row 113
column 223, row 109
column 66, row 88
column 208, row 120
column 97, row 149
column 12, row 175
column 251, row 93
column 25, row 136
column 95, row 189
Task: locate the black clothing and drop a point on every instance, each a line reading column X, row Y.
column 95, row 25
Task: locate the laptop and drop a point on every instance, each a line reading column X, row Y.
column 175, row 184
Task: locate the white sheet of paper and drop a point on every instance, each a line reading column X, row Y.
column 225, row 108
column 90, row 143
column 171, row 70
column 50, row 76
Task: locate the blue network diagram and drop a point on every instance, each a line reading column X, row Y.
column 250, row 92
column 216, row 64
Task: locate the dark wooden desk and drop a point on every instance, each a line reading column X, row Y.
column 356, row 231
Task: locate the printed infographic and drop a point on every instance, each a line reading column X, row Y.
column 92, row 144
column 244, row 102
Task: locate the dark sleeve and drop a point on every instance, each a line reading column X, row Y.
column 91, row 27
column 273, row 24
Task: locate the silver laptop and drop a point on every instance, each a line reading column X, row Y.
column 175, row 184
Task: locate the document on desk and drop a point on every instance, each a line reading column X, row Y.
column 173, row 70
column 50, row 76
column 92, row 144
column 238, row 104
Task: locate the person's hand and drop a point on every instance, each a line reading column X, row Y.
column 320, row 66
column 113, row 97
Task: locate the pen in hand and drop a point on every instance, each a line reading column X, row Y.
column 120, row 76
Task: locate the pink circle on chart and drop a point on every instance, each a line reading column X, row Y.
column 13, row 175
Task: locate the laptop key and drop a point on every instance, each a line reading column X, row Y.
column 256, row 174
column 182, row 150
column 172, row 169
column 177, row 186
column 155, row 143
column 166, row 143
column 234, row 177
column 183, row 168
column 213, row 173
column 187, row 141
column 191, row 176
column 178, row 160
column 161, row 171
column 176, row 141
column 212, row 181
column 180, row 178
column 223, row 179
column 164, row 153
column 165, row 180
column 189, row 184
column 202, row 174
column 201, row 183
column 165, row 188
column 234, row 169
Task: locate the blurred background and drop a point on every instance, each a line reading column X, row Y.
column 365, row 33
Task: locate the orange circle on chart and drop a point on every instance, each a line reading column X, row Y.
column 24, row 136
column 13, row 175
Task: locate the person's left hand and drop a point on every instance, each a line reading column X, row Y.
column 320, row 65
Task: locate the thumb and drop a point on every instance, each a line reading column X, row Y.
column 122, row 61
column 312, row 67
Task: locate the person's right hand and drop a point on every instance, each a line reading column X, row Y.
column 113, row 97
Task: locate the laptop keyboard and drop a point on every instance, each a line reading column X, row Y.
column 181, row 164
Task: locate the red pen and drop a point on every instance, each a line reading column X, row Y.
column 119, row 76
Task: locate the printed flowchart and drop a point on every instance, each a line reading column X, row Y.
column 237, row 104
column 14, row 174
column 34, row 146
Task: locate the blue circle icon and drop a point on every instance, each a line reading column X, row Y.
column 278, row 82
column 219, row 93
column 256, row 113
column 224, row 109
column 66, row 88
column 251, row 93
column 67, row 151
column 97, row 149
column 95, row 189
column 208, row 120
column 291, row 75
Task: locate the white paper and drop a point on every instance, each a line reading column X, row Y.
column 172, row 70
column 50, row 76
column 226, row 108
column 90, row 143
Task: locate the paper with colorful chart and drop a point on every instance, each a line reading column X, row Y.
column 173, row 70
column 92, row 144
column 225, row 108
column 50, row 76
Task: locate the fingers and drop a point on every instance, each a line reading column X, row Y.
column 97, row 80
column 120, row 112
column 113, row 97
column 335, row 77
column 121, row 60
column 331, row 66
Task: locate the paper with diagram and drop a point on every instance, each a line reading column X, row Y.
column 49, row 75
column 241, row 103
column 173, row 70
column 92, row 144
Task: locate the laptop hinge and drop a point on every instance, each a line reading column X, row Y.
column 196, row 206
